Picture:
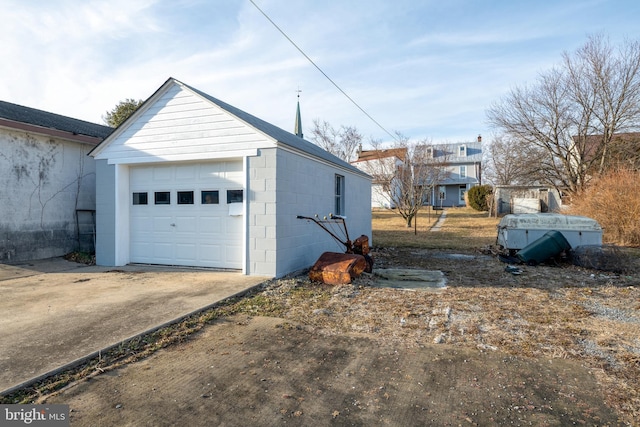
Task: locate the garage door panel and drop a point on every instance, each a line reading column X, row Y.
column 210, row 226
column 201, row 234
column 142, row 224
column 186, row 224
column 233, row 254
column 210, row 252
column 186, row 252
column 163, row 252
column 142, row 251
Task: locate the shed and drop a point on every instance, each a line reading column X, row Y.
column 517, row 199
column 190, row 180
column 48, row 183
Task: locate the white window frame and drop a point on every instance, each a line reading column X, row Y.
column 463, row 171
column 339, row 195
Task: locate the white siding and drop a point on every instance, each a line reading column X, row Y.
column 180, row 125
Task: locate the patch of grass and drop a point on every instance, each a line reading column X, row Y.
column 81, row 257
column 464, row 228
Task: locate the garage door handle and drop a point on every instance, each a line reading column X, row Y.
column 172, row 224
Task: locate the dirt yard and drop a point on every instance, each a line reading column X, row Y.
column 543, row 345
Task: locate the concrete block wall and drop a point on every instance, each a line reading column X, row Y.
column 44, row 181
column 261, row 198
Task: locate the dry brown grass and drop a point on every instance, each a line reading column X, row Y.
column 547, row 312
column 465, row 229
column 614, row 201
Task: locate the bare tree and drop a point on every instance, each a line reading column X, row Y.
column 596, row 91
column 407, row 173
column 343, row 142
column 512, row 162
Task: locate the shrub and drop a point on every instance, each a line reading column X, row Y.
column 478, row 195
column 614, row 201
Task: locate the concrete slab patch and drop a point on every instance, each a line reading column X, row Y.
column 56, row 312
column 409, row 278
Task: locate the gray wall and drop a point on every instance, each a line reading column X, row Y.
column 306, row 187
column 105, row 213
column 44, row 180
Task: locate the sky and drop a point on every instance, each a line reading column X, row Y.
column 428, row 69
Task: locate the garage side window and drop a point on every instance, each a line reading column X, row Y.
column 234, row 196
column 185, row 197
column 209, row 197
column 140, row 198
column 162, row 197
column 339, row 208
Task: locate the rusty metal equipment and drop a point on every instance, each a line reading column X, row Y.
column 336, row 268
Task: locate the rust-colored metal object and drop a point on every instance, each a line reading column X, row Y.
column 334, row 268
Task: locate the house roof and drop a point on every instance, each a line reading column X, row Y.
column 450, row 152
column 624, row 146
column 33, row 120
column 368, row 155
column 280, row 135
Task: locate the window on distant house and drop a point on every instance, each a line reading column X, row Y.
column 339, row 207
column 463, row 171
column 462, row 151
column 140, row 198
column 162, row 198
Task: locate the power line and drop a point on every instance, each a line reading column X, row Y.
column 323, row 73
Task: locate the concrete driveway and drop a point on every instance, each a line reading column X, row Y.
column 55, row 312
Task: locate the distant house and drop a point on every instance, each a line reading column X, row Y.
column 461, row 164
column 380, row 164
column 622, row 151
column 190, row 180
column 48, row 183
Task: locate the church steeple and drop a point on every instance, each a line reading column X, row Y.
column 298, row 126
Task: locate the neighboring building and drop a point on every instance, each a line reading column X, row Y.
column 381, row 165
column 190, row 180
column 623, row 151
column 461, row 163
column 48, row 183
column 511, row 199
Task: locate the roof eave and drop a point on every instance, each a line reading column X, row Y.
column 71, row 136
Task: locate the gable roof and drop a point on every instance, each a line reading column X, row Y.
column 367, row 155
column 624, row 147
column 33, row 120
column 450, row 152
column 279, row 135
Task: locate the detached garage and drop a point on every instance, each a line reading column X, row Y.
column 189, row 180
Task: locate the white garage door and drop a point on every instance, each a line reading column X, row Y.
column 187, row 214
